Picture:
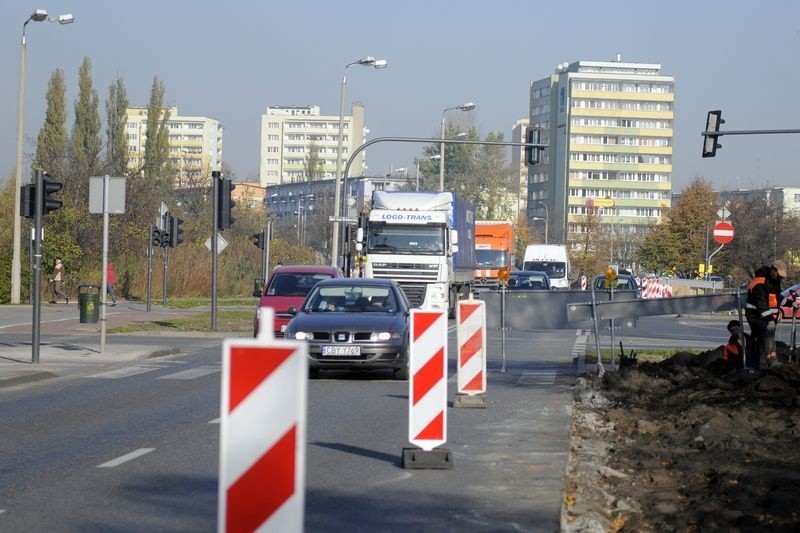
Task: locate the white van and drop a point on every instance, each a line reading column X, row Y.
column 550, row 258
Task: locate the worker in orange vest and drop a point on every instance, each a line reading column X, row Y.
column 733, row 353
column 763, row 313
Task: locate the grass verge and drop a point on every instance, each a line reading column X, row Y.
column 231, row 321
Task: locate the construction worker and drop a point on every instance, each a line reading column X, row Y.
column 763, row 313
column 733, row 353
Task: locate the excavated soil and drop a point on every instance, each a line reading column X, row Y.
column 686, row 444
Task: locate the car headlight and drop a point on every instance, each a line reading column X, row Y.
column 303, row 336
column 384, row 336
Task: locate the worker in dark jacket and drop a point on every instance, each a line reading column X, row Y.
column 733, row 353
column 763, row 313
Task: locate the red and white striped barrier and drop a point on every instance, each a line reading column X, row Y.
column 583, row 283
column 262, row 435
column 471, row 338
column 427, row 395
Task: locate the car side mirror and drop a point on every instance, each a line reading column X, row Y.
column 292, row 310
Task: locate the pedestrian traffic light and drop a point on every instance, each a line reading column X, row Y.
column 710, row 144
column 28, row 201
column 226, row 204
column 50, row 187
column 175, row 231
column 532, row 152
column 258, row 239
column 156, row 236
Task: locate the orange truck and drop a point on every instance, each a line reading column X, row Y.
column 494, row 248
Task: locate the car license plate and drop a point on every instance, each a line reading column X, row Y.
column 341, row 350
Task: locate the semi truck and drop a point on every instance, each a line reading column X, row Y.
column 552, row 259
column 494, row 249
column 426, row 242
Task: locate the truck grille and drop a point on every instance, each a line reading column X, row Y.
column 407, row 272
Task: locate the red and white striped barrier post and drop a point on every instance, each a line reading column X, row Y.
column 471, row 338
column 583, row 283
column 262, row 434
column 427, row 391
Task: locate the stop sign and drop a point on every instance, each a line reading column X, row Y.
column 723, row 232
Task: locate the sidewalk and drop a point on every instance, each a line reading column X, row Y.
column 68, row 347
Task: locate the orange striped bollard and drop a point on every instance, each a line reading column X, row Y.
column 427, row 391
column 471, row 337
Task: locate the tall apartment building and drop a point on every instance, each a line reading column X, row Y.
column 195, row 144
column 609, row 127
column 290, row 133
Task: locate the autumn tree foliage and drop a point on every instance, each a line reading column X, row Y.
column 678, row 243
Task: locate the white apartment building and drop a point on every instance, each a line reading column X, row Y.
column 195, row 144
column 609, row 127
column 290, row 133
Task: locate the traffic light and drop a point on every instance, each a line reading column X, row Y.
column 710, row 144
column 259, row 239
column 175, row 231
column 226, row 204
column 156, row 236
column 532, row 152
column 28, row 201
column 50, row 187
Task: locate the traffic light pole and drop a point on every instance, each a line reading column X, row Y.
column 216, row 180
column 36, row 297
column 150, row 266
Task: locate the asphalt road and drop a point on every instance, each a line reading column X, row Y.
column 135, row 446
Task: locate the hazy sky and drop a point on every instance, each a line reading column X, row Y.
column 230, row 60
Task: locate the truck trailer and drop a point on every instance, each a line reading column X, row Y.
column 494, row 249
column 426, row 242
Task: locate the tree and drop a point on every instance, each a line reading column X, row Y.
column 312, row 165
column 85, row 140
column 116, row 120
column 679, row 242
column 52, row 142
column 585, row 258
column 488, row 185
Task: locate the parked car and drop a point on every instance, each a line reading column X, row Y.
column 288, row 286
column 624, row 283
column 532, row 280
column 354, row 323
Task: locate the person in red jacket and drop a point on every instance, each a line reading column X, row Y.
column 111, row 282
column 763, row 313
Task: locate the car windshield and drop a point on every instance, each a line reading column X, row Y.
column 491, row 258
column 294, row 283
column 554, row 269
column 418, row 240
column 527, row 282
column 352, row 299
column 623, row 283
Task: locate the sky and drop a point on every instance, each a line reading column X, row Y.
column 230, row 60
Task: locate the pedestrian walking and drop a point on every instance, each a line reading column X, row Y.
column 111, row 282
column 762, row 312
column 57, row 278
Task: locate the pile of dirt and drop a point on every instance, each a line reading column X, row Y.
column 687, row 444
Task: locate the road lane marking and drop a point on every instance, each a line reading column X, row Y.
column 192, row 373
column 125, row 458
column 124, row 372
column 215, row 421
column 540, row 376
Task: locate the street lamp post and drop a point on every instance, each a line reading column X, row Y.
column 338, row 195
column 39, row 15
column 546, row 219
column 463, row 107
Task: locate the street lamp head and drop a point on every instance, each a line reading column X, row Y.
column 367, row 61
column 469, row 106
column 380, row 63
column 66, row 18
column 462, row 135
column 39, row 15
column 435, row 157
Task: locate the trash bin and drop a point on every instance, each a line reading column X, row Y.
column 89, row 303
column 258, row 287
